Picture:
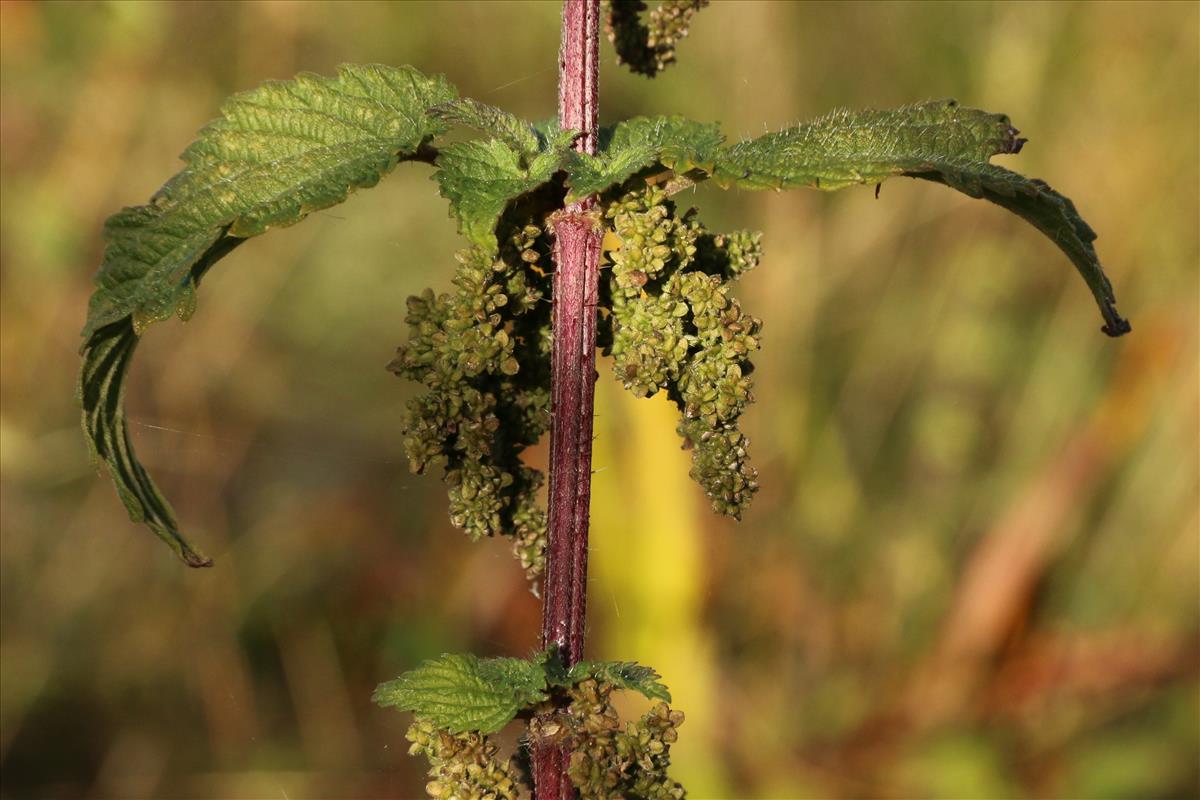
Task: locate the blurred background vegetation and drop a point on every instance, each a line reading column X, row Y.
column 971, row 572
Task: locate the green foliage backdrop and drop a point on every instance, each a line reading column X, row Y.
column 971, row 570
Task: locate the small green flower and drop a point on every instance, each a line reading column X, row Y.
column 614, row 760
column 463, row 765
column 481, row 353
column 674, row 325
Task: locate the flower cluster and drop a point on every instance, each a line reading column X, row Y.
column 649, row 342
column 481, row 351
column 674, row 325
column 463, row 765
column 649, row 49
column 609, row 759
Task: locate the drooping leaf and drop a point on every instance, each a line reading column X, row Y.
column 464, row 693
column 102, row 388
column 277, row 153
column 937, row 141
column 1052, row 214
column 630, row 146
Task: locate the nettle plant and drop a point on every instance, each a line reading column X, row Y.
column 573, row 245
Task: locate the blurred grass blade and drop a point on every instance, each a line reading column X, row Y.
column 938, row 141
column 278, row 153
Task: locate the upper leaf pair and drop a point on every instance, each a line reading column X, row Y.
column 289, row 148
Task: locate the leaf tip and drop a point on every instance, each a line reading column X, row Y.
column 167, row 531
column 1115, row 325
column 384, row 694
column 195, row 560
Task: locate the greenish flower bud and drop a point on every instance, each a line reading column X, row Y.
column 648, row 48
column 674, row 325
column 463, row 765
column 481, row 352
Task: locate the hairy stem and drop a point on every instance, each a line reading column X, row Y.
column 573, row 375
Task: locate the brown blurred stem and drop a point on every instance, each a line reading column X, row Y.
column 572, row 381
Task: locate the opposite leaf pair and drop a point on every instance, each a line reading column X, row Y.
column 288, row 148
column 459, row 701
column 461, row 693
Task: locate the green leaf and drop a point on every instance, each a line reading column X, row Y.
column 630, row 146
column 102, row 389
column 622, row 675
column 938, row 141
column 551, row 662
column 480, row 177
column 548, row 129
column 465, row 693
column 277, row 153
column 851, row 147
column 508, row 128
column 1052, row 214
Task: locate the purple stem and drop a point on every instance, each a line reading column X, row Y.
column 578, row 237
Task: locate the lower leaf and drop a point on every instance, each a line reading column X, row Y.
column 107, row 355
column 1052, row 214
